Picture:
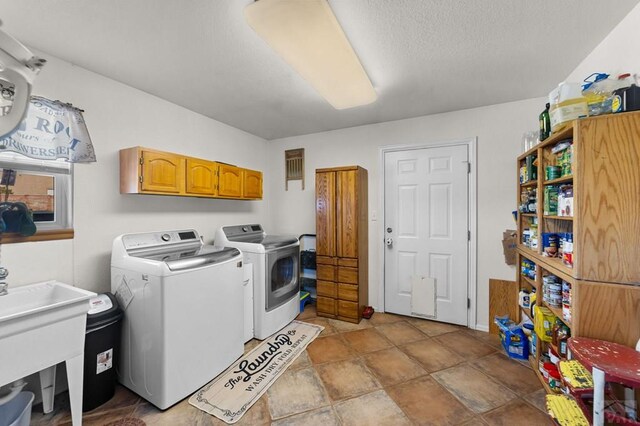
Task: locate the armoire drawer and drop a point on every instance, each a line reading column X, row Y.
column 327, row 289
column 346, row 292
column 326, row 260
column 348, row 261
column 326, row 272
column 326, row 305
column 347, row 309
column 347, row 275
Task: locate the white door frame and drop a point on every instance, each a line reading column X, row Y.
column 472, row 279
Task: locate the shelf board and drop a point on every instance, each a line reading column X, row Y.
column 557, row 263
column 523, row 311
column 550, row 264
column 557, row 312
column 528, row 253
column 532, row 362
column 569, row 218
column 528, row 280
column 528, row 214
column 562, row 179
column 565, row 133
column 529, row 183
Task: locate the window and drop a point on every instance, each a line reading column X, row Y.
column 44, row 186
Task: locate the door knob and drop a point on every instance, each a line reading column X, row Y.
column 389, row 242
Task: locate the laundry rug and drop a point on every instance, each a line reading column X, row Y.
column 234, row 391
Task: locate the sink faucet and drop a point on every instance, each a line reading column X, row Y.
column 4, row 286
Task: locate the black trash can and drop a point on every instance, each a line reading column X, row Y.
column 101, row 351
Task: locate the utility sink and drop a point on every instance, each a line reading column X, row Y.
column 32, row 305
column 42, row 325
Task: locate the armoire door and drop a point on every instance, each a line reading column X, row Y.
column 347, row 214
column 326, row 214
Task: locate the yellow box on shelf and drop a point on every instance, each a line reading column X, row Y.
column 544, row 320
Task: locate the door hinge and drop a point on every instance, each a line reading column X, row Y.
column 140, row 178
column 141, row 160
column 468, row 303
column 469, row 167
column 468, row 235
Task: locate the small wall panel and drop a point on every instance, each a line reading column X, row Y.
column 503, row 300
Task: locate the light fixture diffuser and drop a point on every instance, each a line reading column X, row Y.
column 307, row 35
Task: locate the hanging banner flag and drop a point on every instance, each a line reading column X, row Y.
column 51, row 130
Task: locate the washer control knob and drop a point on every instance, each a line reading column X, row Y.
column 165, row 237
column 245, row 229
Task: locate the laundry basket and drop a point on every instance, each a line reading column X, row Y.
column 17, row 412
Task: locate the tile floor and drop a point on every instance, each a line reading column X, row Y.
column 390, row 370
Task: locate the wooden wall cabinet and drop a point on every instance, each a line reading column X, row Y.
column 230, row 181
column 148, row 171
column 201, row 177
column 342, row 242
column 162, row 172
column 252, row 184
column 605, row 277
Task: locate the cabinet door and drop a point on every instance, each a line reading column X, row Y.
column 162, row 172
column 326, row 213
column 347, row 213
column 252, row 181
column 201, row 177
column 229, row 181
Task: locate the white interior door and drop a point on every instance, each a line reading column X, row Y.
column 426, row 232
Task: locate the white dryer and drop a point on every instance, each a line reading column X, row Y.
column 183, row 321
column 276, row 274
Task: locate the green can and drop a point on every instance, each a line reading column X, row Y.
column 553, row 172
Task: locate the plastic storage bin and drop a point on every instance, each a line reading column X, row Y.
column 17, row 412
column 101, row 350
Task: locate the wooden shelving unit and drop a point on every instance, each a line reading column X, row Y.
column 605, row 276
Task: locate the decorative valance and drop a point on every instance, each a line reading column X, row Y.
column 51, row 130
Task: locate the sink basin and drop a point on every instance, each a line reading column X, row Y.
column 38, row 298
column 40, row 325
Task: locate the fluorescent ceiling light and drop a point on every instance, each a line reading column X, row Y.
column 307, row 35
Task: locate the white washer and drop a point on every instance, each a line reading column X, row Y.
column 276, row 274
column 183, row 320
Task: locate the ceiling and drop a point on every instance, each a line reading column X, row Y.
column 422, row 56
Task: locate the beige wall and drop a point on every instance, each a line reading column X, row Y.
column 119, row 116
column 498, row 129
column 618, row 51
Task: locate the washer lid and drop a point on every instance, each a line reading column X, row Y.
column 178, row 260
column 275, row 241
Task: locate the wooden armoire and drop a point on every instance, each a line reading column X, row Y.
column 342, row 242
